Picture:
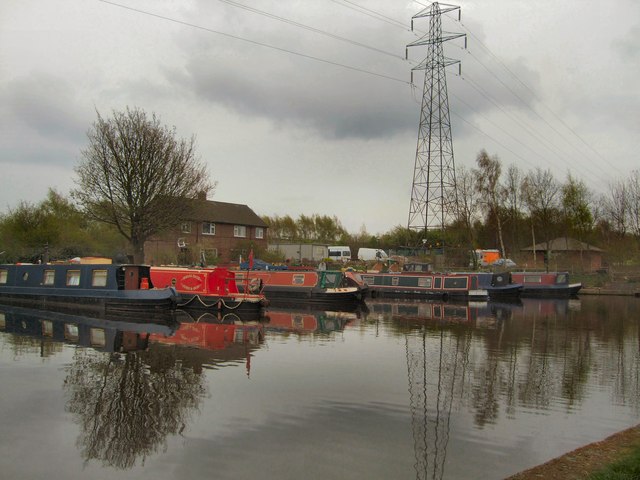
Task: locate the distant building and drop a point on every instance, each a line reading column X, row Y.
column 216, row 232
column 565, row 253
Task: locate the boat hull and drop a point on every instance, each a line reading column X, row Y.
column 546, row 284
column 119, row 290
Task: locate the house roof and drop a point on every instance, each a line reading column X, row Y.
column 222, row 212
column 562, row 244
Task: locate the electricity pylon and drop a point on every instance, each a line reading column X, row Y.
column 433, row 194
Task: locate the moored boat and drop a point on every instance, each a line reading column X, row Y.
column 96, row 289
column 326, row 287
column 546, row 284
column 211, row 289
column 424, row 285
column 498, row 285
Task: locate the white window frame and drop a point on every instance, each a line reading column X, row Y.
column 240, row 231
column 211, row 230
column 259, row 232
column 185, row 227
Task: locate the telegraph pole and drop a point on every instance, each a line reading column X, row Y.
column 433, row 194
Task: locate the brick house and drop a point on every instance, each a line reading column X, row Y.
column 218, row 232
column 566, row 253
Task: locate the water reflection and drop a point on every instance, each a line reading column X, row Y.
column 130, row 400
column 487, row 357
column 437, row 386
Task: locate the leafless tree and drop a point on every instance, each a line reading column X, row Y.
column 468, row 199
column 488, row 185
column 137, row 176
column 541, row 195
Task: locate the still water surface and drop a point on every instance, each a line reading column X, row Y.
column 399, row 390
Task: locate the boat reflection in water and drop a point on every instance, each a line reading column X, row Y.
column 138, row 383
column 282, row 320
column 100, row 334
column 483, row 314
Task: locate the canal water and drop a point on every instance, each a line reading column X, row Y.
column 394, row 390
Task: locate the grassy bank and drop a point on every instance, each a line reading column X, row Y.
column 625, row 468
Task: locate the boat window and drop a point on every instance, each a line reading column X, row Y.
column 561, row 278
column 437, row 282
column 455, row 282
column 73, row 278
column 331, row 280
column 368, row 279
column 71, row 332
column 25, row 276
column 297, row 279
column 97, row 337
column 47, row 328
column 3, row 276
column 99, row 278
column 49, row 277
column 533, row 279
column 424, row 282
column 395, row 281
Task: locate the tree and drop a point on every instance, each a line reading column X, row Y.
column 488, row 185
column 467, row 206
column 540, row 191
column 137, row 176
column 575, row 201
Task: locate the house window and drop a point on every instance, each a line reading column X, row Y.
column 185, row 227
column 259, row 232
column 239, row 231
column 208, row 228
column 73, row 278
column 49, row 277
column 99, row 278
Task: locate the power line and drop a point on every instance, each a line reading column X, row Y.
column 309, row 28
column 254, row 42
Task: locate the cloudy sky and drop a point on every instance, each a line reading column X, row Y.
column 306, row 107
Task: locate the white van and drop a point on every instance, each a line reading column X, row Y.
column 371, row 254
column 339, row 254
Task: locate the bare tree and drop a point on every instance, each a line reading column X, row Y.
column 633, row 201
column 467, row 196
column 137, row 176
column 540, row 190
column 488, row 185
column 616, row 207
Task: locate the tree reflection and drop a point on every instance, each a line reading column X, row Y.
column 127, row 405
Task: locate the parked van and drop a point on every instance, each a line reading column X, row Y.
column 371, row 254
column 339, row 254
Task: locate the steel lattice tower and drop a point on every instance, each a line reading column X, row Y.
column 433, row 194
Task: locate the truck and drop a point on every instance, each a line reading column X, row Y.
column 339, row 253
column 372, row 254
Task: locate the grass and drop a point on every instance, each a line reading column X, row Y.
column 627, row 468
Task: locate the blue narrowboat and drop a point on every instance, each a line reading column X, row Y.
column 97, row 289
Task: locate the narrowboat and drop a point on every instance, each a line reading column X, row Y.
column 428, row 285
column 498, row 285
column 318, row 287
column 546, row 284
column 212, row 289
column 99, row 334
column 96, row 289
